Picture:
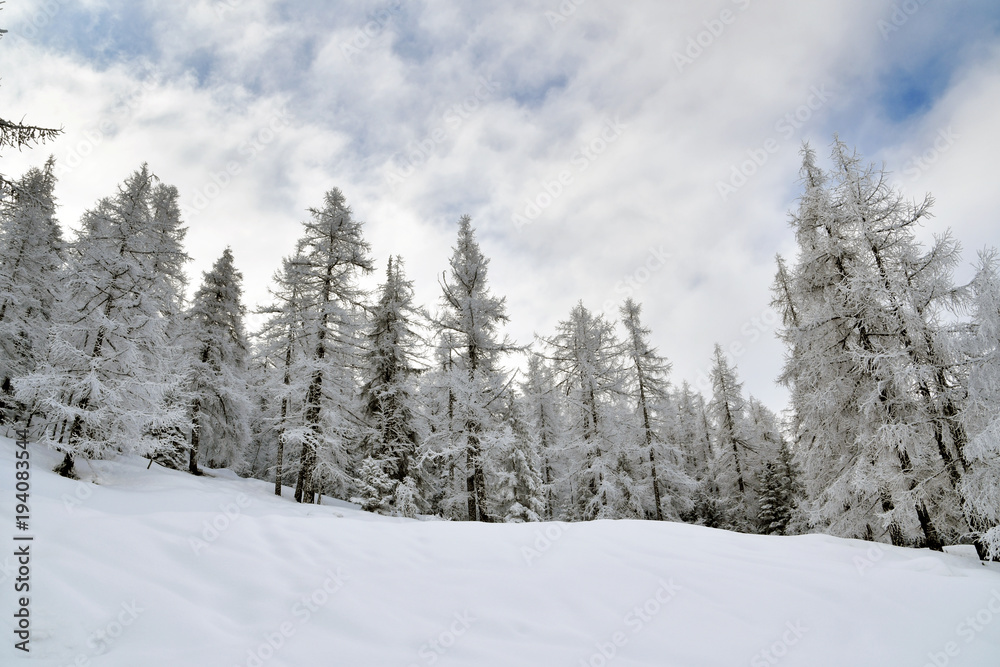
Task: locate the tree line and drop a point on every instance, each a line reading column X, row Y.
column 893, row 369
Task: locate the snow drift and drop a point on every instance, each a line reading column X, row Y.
column 147, row 567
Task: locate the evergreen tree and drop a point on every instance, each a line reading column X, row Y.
column 110, row 375
column 217, row 350
column 518, row 490
column 981, row 485
column 331, row 254
column 282, row 355
column 778, row 497
column 874, row 386
column 443, row 453
column 606, row 473
column 543, row 418
column 472, row 315
column 737, row 454
column 387, row 395
column 31, row 256
column 650, row 392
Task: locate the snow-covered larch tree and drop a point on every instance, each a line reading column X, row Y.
column 737, row 457
column 981, row 485
column 650, row 391
column 110, row 377
column 217, row 352
column 281, row 354
column 606, row 461
column 875, row 389
column 471, row 320
column 31, row 256
column 543, row 417
column 332, row 254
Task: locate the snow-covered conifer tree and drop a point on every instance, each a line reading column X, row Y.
column 874, row 386
column 736, row 455
column 387, row 394
column 110, row 376
column 217, row 351
column 472, row 315
column 517, row 489
column 981, row 485
column 606, row 470
column 31, row 256
column 779, row 493
column 651, row 393
column 281, row 355
column 332, row 253
column 544, row 420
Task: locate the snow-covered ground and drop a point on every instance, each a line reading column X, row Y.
column 147, row 567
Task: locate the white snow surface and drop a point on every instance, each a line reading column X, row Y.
column 126, row 569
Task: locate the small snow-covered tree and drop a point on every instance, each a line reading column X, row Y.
column 779, row 494
column 387, row 395
column 737, row 457
column 442, row 454
column 543, row 419
column 217, row 351
column 518, row 490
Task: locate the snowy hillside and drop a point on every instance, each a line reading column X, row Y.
column 150, row 567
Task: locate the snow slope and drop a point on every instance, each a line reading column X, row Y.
column 127, row 570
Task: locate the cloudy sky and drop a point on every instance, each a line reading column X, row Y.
column 603, row 149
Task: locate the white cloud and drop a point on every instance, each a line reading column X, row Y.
column 222, row 71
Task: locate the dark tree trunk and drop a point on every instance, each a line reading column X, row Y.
column 195, row 438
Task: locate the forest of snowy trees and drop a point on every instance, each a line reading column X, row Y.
column 893, row 432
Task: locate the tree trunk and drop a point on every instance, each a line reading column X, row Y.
column 195, row 437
